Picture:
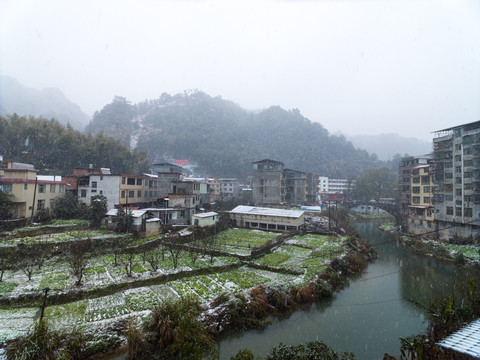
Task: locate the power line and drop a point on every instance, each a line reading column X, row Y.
column 369, row 303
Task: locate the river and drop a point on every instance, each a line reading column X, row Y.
column 369, row 316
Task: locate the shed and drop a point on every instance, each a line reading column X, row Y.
column 205, row 219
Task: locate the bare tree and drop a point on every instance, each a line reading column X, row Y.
column 128, row 262
column 78, row 260
column 153, row 257
column 174, row 253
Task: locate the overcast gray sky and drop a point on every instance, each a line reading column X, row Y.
column 355, row 66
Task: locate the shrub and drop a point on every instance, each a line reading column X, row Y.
column 44, row 343
column 173, row 332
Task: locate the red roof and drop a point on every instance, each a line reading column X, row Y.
column 181, row 162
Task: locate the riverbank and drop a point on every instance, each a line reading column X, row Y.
column 462, row 251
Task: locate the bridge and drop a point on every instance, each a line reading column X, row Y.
column 388, row 205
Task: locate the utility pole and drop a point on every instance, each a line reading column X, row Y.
column 46, row 290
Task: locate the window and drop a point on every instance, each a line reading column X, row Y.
column 416, row 180
column 52, row 188
column 448, row 165
column 458, row 169
column 415, row 172
column 83, row 193
column 52, row 203
column 448, row 197
column 458, row 157
column 94, row 184
column 468, row 212
column 61, row 188
column 468, row 186
column 416, row 189
column 468, row 174
column 131, row 193
column 25, row 186
column 139, row 193
column 6, row 188
column 458, row 192
column 449, row 210
column 145, row 194
column 448, row 176
column 458, row 146
column 416, row 199
column 468, row 163
column 139, row 181
column 101, row 192
column 426, row 200
column 123, row 180
column 426, row 189
column 458, row 211
column 425, row 179
column 93, row 191
column 40, row 204
column 468, row 198
column 458, row 180
column 41, row 188
column 123, row 194
column 130, row 181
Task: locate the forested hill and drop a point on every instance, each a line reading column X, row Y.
column 57, row 149
column 223, row 139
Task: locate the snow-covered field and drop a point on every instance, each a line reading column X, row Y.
column 307, row 255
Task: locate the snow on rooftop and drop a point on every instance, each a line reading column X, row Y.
column 252, row 210
column 465, row 340
column 205, row 215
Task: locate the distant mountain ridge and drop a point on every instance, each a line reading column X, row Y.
column 46, row 103
column 223, row 139
column 386, row 146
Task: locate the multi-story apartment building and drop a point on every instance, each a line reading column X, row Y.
column 422, row 214
column 457, row 180
column 31, row 192
column 405, row 178
column 267, row 186
column 229, row 187
column 274, row 185
column 120, row 190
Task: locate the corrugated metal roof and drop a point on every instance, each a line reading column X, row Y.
column 465, row 341
column 251, row 210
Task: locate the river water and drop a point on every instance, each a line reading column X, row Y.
column 368, row 317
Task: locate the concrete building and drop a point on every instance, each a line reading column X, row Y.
column 267, row 184
column 205, row 219
column 267, row 218
column 404, row 179
column 229, row 187
column 422, row 213
column 31, row 192
column 457, row 180
column 273, row 185
column 120, row 190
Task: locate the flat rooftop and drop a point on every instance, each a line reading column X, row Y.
column 252, row 210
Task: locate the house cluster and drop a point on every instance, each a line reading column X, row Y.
column 440, row 192
column 165, row 193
